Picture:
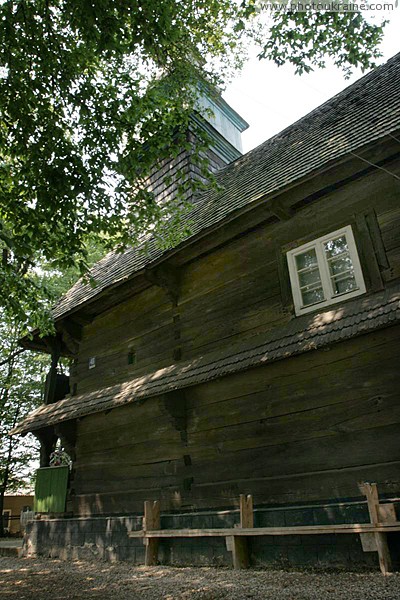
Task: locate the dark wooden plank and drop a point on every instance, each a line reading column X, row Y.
column 367, row 253
column 124, row 473
column 331, row 421
column 357, row 353
column 286, row 488
column 276, row 401
column 389, row 225
column 243, row 255
column 394, row 265
column 318, row 454
column 376, row 237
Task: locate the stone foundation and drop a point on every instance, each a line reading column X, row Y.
column 106, row 538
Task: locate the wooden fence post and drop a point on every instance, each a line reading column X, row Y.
column 238, row 544
column 151, row 521
column 246, row 511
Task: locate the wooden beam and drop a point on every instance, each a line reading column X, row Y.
column 71, row 345
column 387, row 513
column 151, row 521
column 73, row 328
column 342, row 528
column 246, row 511
column 376, row 237
column 54, row 345
column 371, row 492
column 81, row 319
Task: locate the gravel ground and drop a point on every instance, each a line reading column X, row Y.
column 39, row 579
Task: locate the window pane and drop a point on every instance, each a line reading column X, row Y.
column 336, row 246
column 309, row 277
column 306, row 260
column 312, row 296
column 340, row 264
column 344, row 284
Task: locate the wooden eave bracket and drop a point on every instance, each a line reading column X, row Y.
column 71, row 333
column 276, row 206
column 67, row 432
column 166, row 277
column 48, row 440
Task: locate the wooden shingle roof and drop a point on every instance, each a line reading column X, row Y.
column 362, row 113
column 309, row 332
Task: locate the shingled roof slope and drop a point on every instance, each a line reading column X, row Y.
column 301, row 335
column 365, row 111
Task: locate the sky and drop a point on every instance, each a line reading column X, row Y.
column 270, row 98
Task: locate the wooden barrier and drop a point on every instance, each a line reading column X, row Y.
column 373, row 534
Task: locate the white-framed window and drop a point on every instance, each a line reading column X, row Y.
column 325, row 271
column 6, row 519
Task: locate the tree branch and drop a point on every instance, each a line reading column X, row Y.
column 12, row 356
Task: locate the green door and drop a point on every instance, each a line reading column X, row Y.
column 51, row 489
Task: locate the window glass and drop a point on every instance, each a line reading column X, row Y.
column 340, row 265
column 306, row 260
column 309, row 277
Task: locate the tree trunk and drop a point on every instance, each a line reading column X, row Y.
column 3, row 486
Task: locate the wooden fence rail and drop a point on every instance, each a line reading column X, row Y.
column 373, row 535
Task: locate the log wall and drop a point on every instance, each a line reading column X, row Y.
column 304, row 429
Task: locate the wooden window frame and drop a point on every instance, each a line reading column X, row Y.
column 330, row 297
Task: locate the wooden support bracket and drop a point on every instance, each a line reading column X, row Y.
column 166, row 277
column 71, row 333
column 378, row 514
column 284, row 213
column 67, row 433
column 48, row 441
column 151, row 521
column 240, row 552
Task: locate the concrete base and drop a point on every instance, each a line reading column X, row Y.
column 11, row 547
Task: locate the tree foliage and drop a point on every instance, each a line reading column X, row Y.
column 21, row 378
column 306, row 39
column 84, row 84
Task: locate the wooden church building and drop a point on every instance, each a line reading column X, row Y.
column 259, row 356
